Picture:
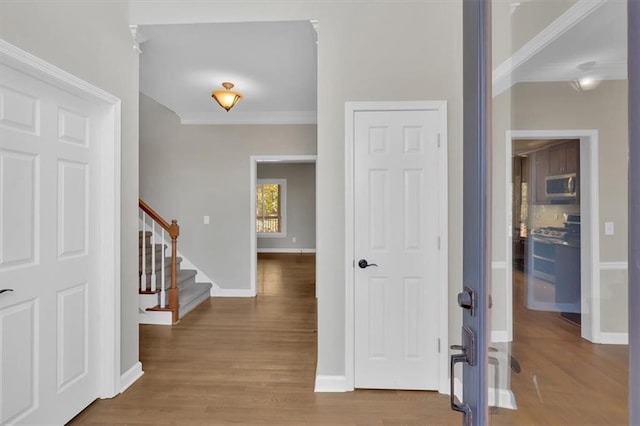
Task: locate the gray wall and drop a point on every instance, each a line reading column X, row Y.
column 91, row 40
column 187, row 172
column 301, row 205
column 367, row 51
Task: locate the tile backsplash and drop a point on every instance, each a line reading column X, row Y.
column 550, row 214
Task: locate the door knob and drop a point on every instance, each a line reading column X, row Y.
column 362, row 263
column 4, row 290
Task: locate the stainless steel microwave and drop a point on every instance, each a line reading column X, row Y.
column 561, row 186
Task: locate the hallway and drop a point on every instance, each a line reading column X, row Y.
column 252, row 361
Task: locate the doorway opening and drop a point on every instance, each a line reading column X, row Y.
column 546, row 225
column 553, row 241
column 293, row 207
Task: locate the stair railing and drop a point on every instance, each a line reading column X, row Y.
column 174, row 231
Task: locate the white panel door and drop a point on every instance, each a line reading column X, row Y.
column 48, row 251
column 396, row 228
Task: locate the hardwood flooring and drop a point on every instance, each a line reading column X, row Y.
column 565, row 380
column 252, row 361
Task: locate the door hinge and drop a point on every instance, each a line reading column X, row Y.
column 438, row 345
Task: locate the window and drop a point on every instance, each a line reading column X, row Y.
column 271, row 207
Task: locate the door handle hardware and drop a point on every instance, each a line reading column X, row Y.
column 362, row 263
column 466, row 300
column 4, row 290
column 456, row 405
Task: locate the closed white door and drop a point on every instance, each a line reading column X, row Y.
column 396, row 229
column 48, row 243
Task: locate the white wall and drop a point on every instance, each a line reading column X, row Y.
column 301, row 205
column 187, row 172
column 367, row 51
column 91, row 40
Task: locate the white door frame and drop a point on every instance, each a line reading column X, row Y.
column 253, row 179
column 109, row 209
column 589, row 216
column 349, row 319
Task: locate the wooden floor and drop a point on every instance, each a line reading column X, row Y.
column 252, row 361
column 565, row 380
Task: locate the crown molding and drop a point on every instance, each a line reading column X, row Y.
column 502, row 73
column 138, row 37
column 246, row 118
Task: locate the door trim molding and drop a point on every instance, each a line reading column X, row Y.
column 109, row 212
column 443, row 297
column 590, row 217
column 253, row 178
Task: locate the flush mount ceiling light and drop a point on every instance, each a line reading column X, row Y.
column 588, row 81
column 226, row 98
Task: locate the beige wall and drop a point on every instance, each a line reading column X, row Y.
column 301, row 204
column 531, row 17
column 557, row 106
column 91, row 40
column 367, row 51
column 187, row 172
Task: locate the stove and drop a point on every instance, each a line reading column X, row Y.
column 567, row 234
column 550, row 231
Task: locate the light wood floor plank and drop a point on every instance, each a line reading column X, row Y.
column 252, row 361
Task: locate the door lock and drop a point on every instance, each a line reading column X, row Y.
column 467, row 299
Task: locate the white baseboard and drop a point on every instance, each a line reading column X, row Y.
column 330, row 384
column 155, row 317
column 500, row 336
column 614, row 338
column 217, row 291
column 506, row 398
column 130, row 377
column 286, row 250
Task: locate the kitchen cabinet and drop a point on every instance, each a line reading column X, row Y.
column 543, row 261
column 519, row 250
column 540, row 171
column 568, row 275
column 564, row 158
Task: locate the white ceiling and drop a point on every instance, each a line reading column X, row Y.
column 274, row 64
column 589, row 40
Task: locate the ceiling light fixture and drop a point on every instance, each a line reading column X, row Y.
column 588, row 81
column 226, row 98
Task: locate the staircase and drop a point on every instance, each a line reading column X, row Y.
column 160, row 301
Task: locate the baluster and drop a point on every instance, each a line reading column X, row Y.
column 153, row 255
column 163, row 296
column 143, row 277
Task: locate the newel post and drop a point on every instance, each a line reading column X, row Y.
column 174, row 304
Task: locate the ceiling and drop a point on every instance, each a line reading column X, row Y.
column 274, row 64
column 589, row 40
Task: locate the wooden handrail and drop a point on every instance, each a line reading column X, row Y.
column 174, row 231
